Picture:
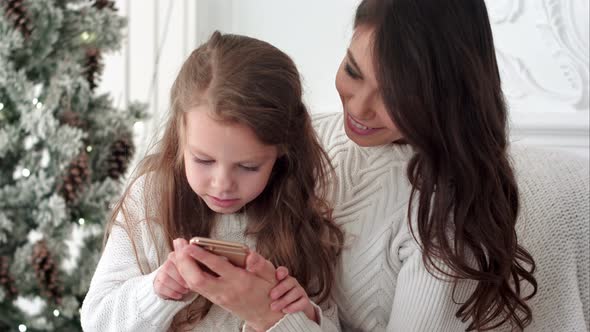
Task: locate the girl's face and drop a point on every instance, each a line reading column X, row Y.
column 366, row 121
column 225, row 163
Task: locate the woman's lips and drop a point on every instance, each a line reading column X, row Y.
column 358, row 128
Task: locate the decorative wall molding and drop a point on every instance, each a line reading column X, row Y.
column 564, row 34
column 543, row 53
column 503, row 11
column 562, row 28
column 568, row 131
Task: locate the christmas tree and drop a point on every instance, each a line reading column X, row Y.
column 63, row 151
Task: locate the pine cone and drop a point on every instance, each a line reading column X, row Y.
column 72, row 119
column 15, row 10
column 6, row 280
column 121, row 152
column 93, row 67
column 76, row 177
column 101, row 4
column 46, row 271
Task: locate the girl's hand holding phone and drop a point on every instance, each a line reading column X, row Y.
column 235, row 289
column 168, row 283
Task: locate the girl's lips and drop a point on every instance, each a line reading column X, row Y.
column 359, row 128
column 223, row 202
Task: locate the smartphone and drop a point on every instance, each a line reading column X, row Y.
column 235, row 252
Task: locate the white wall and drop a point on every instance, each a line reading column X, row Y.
column 160, row 35
column 542, row 46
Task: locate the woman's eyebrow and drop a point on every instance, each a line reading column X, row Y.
column 353, row 63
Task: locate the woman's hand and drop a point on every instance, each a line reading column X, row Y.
column 168, row 283
column 289, row 297
column 237, row 290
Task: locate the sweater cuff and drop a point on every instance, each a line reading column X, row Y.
column 293, row 322
column 318, row 312
column 152, row 307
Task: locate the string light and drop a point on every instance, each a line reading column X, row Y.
column 35, row 101
column 26, row 172
column 89, row 148
column 87, row 37
column 39, row 105
column 138, row 126
column 22, row 328
column 1, row 106
column 81, row 221
column 56, row 313
column 45, row 158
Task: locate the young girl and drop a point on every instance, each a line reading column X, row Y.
column 239, row 161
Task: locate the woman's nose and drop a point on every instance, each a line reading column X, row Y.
column 360, row 107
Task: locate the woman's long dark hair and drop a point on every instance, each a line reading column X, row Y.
column 439, row 79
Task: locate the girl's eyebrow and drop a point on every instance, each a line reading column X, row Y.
column 194, row 150
column 353, row 63
column 257, row 159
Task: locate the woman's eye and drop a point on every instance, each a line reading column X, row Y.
column 348, row 69
column 249, row 168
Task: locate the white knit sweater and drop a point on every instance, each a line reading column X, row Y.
column 122, row 298
column 383, row 284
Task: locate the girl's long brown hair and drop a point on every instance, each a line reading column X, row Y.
column 439, row 79
column 250, row 82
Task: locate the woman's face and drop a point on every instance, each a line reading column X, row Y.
column 366, row 120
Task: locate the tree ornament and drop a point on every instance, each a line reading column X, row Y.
column 101, row 4
column 72, row 119
column 46, row 271
column 6, row 280
column 75, row 178
column 121, row 152
column 93, row 67
column 16, row 11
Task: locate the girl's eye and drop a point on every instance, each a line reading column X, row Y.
column 348, row 69
column 249, row 168
column 203, row 161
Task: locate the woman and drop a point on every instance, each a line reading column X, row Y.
column 426, row 190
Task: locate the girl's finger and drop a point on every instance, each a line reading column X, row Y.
column 292, row 296
column 261, row 267
column 196, row 279
column 174, row 285
column 296, row 306
column 173, row 271
column 175, row 275
column 169, row 293
column 179, row 243
column 282, row 273
column 218, row 264
column 282, row 288
column 164, row 279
